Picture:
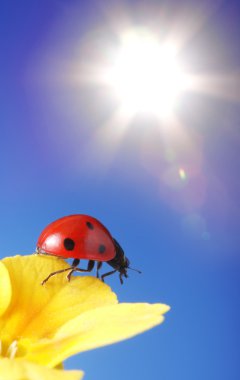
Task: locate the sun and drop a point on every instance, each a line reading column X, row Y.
column 145, row 75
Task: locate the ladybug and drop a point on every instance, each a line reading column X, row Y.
column 82, row 237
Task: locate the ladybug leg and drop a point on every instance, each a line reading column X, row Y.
column 107, row 274
column 89, row 268
column 74, row 265
column 120, row 277
column 71, row 269
column 53, row 274
column 99, row 265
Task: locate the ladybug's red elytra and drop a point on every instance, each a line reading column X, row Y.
column 82, row 237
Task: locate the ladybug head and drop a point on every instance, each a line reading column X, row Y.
column 124, row 265
column 123, row 269
column 120, row 262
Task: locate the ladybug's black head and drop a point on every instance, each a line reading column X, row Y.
column 120, row 262
column 123, row 268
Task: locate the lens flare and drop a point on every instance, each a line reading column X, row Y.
column 182, row 174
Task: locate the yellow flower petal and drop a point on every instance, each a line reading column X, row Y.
column 46, row 324
column 5, row 286
column 97, row 328
column 37, row 311
column 20, row 369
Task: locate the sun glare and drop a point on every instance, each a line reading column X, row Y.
column 145, row 75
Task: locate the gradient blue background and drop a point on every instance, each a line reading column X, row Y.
column 49, row 168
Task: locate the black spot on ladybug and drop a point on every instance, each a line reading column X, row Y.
column 68, row 244
column 101, row 248
column 90, row 225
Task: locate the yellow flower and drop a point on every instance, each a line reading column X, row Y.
column 20, row 369
column 44, row 325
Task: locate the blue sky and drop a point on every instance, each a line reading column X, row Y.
column 56, row 159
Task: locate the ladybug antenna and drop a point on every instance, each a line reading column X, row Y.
column 136, row 270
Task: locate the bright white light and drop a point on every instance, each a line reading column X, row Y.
column 146, row 76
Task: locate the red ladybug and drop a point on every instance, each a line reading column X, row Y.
column 82, row 237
